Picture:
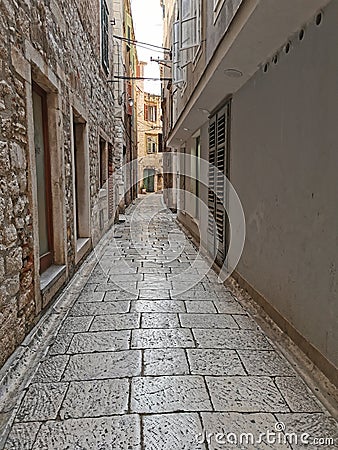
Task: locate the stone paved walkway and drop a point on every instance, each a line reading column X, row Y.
column 155, row 354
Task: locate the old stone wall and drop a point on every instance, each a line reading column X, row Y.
column 64, row 38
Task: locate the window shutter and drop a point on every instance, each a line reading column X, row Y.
column 104, row 36
column 190, row 35
column 177, row 73
column 130, row 95
column 218, row 159
column 160, row 143
column 146, row 112
column 110, row 181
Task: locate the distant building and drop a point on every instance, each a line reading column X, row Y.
column 254, row 93
column 62, row 143
column 150, row 147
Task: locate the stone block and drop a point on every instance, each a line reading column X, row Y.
column 98, row 366
column 41, row 402
column 169, row 394
column 165, row 362
column 172, row 431
column 20, row 64
column 245, row 394
column 18, row 157
column 13, row 261
column 102, row 341
column 157, row 338
column 96, row 398
column 4, row 158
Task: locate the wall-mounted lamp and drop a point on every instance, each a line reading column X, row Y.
column 130, row 100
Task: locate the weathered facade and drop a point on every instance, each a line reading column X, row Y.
column 254, row 93
column 125, row 71
column 58, row 150
column 149, row 128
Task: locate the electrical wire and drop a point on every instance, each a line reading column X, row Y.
column 135, row 41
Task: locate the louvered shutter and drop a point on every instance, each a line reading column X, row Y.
column 110, row 182
column 218, row 159
column 211, row 191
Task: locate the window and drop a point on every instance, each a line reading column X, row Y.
column 160, row 142
column 128, row 38
column 150, row 113
column 111, row 187
column 217, row 7
column 151, row 144
column 103, row 163
column 177, row 73
column 190, row 24
column 43, row 174
column 104, row 36
column 186, row 37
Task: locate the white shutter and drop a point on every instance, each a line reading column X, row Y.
column 177, row 72
column 190, row 34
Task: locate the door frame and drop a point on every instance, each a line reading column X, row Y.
column 46, row 260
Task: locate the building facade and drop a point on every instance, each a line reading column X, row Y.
column 254, row 93
column 149, row 127
column 60, row 151
column 125, row 72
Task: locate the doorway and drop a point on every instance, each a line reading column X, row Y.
column 149, row 180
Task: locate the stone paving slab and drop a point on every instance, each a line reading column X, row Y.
column 169, row 394
column 51, row 369
column 22, row 436
column 245, row 322
column 88, row 295
column 212, row 321
column 172, row 431
column 158, row 306
column 61, row 343
column 116, row 322
column 95, row 398
column 154, row 294
column 159, row 320
column 162, row 338
column 76, row 324
column 102, row 341
column 231, row 339
column 245, row 394
column 265, row 363
column 100, row 308
column 215, row 362
column 98, row 366
column 313, row 426
column 200, row 306
column 106, row 433
column 240, row 431
column 153, row 353
column 297, row 395
column 41, row 402
column 171, row 361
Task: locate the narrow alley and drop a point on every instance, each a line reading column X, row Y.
column 153, row 353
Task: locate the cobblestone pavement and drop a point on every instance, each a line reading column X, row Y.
column 155, row 354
